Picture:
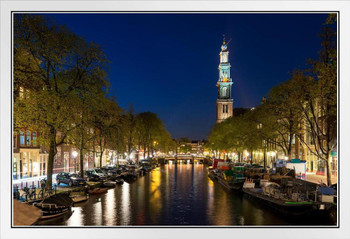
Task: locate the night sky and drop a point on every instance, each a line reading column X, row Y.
column 168, row 63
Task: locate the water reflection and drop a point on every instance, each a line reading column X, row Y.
column 125, row 204
column 173, row 194
column 77, row 217
column 109, row 212
column 97, row 215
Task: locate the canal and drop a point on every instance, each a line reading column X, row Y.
column 176, row 195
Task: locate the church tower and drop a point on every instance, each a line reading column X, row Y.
column 224, row 103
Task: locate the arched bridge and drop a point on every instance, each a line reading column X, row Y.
column 183, row 158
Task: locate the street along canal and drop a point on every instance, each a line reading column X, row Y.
column 179, row 195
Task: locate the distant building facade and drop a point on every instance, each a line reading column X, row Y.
column 197, row 147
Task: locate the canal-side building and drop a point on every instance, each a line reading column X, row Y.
column 197, row 147
column 224, row 102
column 28, row 158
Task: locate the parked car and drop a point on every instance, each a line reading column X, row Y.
column 97, row 172
column 70, row 178
column 91, row 177
column 122, row 168
column 110, row 171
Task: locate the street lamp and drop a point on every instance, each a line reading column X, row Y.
column 75, row 154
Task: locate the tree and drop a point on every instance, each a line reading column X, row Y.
column 149, row 131
column 318, row 85
column 59, row 63
column 130, row 129
column 281, row 114
column 251, row 137
column 229, row 135
column 107, row 124
column 89, row 92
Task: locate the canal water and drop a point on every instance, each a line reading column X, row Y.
column 177, row 195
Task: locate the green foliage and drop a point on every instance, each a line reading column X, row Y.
column 236, row 134
column 61, row 76
column 150, row 133
column 305, row 104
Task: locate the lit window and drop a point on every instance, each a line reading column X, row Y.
column 21, row 138
column 21, row 92
column 28, row 138
column 34, row 138
column 225, row 109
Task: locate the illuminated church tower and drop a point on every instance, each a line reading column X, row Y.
column 224, row 103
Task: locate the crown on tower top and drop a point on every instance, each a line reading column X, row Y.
column 224, row 45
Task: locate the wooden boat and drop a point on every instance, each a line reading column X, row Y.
column 231, row 185
column 78, row 197
column 119, row 180
column 98, row 190
column 289, row 207
column 109, row 184
column 212, row 175
column 124, row 175
column 51, row 210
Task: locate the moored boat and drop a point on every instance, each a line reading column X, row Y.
column 286, row 206
column 109, row 184
column 52, row 210
column 119, row 180
column 98, row 190
column 230, row 184
column 78, row 197
column 55, row 206
column 231, row 179
column 212, row 175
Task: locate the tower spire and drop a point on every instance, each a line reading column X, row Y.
column 224, row 102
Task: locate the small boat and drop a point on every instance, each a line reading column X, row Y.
column 98, row 190
column 119, row 180
column 51, row 210
column 78, row 197
column 212, row 175
column 109, row 184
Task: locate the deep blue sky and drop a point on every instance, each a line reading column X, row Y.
column 167, row 63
